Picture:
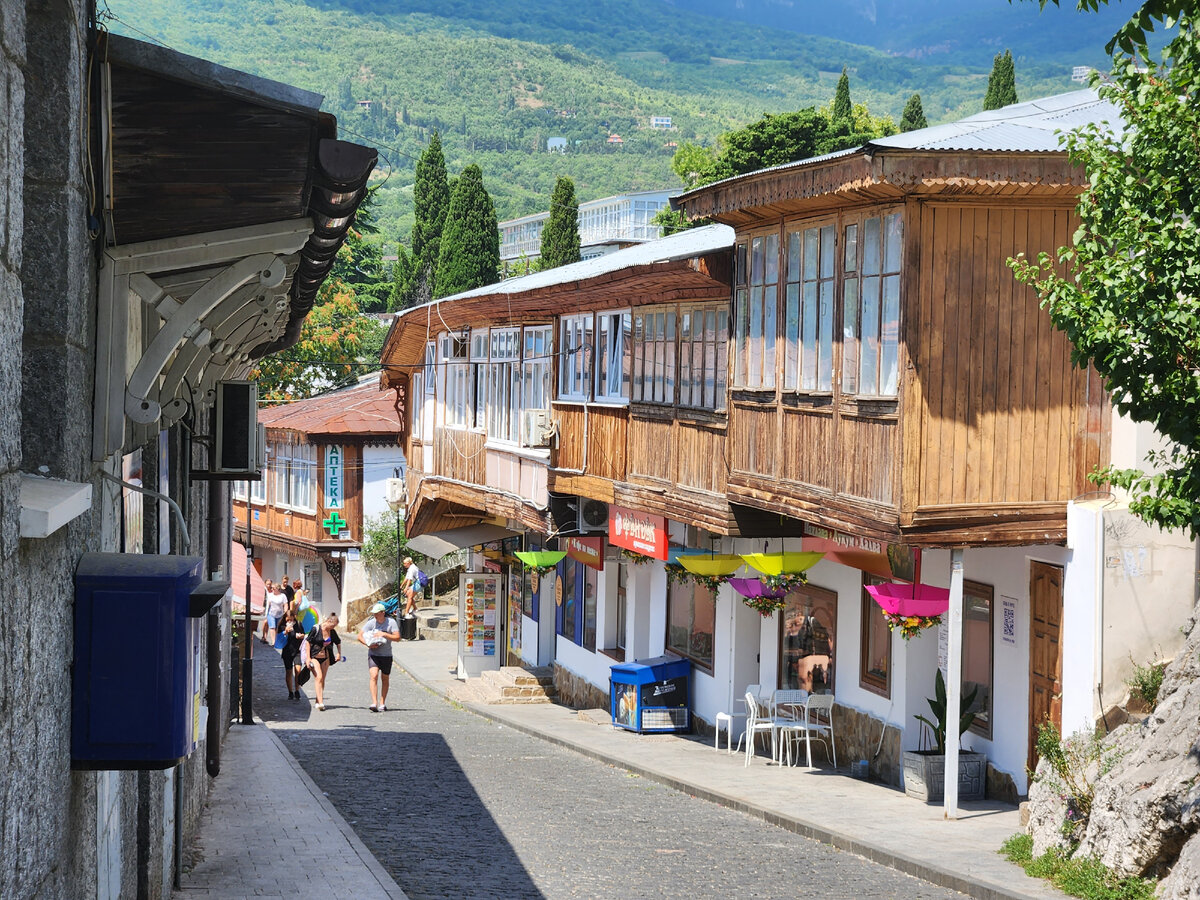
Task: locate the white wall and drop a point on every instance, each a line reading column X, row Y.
column 379, row 464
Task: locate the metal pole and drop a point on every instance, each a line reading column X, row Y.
column 248, row 627
column 400, row 552
column 954, row 682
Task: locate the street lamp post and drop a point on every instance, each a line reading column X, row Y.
column 395, row 499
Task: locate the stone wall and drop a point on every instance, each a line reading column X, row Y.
column 858, row 737
column 577, row 692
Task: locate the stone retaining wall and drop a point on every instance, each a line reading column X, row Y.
column 857, row 737
column 577, row 692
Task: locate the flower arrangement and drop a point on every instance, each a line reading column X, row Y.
column 910, row 626
column 638, row 559
column 766, row 604
column 677, row 574
column 712, row 582
column 785, row 582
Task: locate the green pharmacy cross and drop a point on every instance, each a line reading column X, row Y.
column 334, row 524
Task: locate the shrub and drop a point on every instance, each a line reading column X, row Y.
column 1146, row 681
column 1074, row 764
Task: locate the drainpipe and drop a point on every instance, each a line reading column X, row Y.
column 954, row 682
column 218, row 564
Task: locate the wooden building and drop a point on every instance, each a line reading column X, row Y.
column 843, row 365
column 328, row 459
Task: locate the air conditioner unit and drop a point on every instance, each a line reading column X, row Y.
column 235, row 432
column 593, row 515
column 535, row 427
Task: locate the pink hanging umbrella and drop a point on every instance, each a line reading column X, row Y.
column 910, row 600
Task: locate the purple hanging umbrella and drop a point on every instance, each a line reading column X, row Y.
column 754, row 589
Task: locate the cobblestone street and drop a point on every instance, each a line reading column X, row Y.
column 455, row 806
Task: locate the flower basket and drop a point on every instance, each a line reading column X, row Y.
column 638, row 559
column 911, row 608
column 711, row 582
column 677, row 574
column 910, row 626
column 781, row 563
column 785, row 582
column 541, row 561
column 759, row 597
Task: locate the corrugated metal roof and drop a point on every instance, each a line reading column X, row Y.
column 685, row 245
column 361, row 409
column 1029, row 127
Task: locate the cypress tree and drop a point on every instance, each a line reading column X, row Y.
column 1002, row 83
column 842, row 111
column 913, row 116
column 431, row 199
column 470, row 250
column 560, row 237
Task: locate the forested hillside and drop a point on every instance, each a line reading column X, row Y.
column 497, row 80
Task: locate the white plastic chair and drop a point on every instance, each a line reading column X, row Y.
column 818, row 721
column 729, row 717
column 788, row 718
column 756, row 724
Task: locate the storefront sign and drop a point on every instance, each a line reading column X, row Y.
column 587, row 550
column 333, row 477
column 898, row 562
column 639, row 532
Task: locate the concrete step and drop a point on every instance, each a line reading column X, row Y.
column 437, row 623
column 515, row 684
column 519, row 676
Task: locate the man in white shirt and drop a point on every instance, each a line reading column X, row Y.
column 377, row 636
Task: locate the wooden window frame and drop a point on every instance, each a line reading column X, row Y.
column 622, row 334
column 579, row 381
column 868, row 607
column 858, row 274
column 745, row 321
column 698, row 662
column 716, row 350
column 795, row 271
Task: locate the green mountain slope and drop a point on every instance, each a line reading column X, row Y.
column 499, row 79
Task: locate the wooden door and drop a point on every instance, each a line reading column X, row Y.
column 1045, row 650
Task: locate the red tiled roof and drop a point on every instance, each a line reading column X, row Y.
column 362, row 409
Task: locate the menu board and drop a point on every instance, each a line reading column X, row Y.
column 477, row 622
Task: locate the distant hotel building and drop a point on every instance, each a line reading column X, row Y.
column 605, row 225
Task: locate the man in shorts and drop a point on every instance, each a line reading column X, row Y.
column 377, row 635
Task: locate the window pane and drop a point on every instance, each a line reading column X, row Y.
column 754, row 362
column 811, row 245
column 740, row 337
column 977, row 654
column 740, row 265
column 890, row 336
column 793, row 266
column 868, row 378
column 875, row 663
column 757, row 262
column 685, row 357
column 850, row 336
column 770, row 321
column 808, row 358
column 567, row 573
column 827, row 256
column 892, row 243
column 825, row 352
column 870, row 262
column 626, row 353
column 669, row 359
column 639, row 354
column 791, row 336
column 690, row 617
column 771, row 249
column 717, row 398
column 590, row 584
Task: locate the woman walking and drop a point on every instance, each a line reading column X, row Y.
column 324, row 649
column 276, row 606
column 293, row 634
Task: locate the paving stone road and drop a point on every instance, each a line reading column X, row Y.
column 455, row 806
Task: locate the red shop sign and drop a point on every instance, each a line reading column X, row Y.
column 587, row 550
column 637, row 531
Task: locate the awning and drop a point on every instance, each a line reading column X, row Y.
column 438, row 543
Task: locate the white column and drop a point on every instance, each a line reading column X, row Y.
column 954, row 682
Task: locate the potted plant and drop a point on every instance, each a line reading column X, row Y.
column 925, row 769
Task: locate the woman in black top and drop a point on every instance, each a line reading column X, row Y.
column 324, row 649
column 293, row 633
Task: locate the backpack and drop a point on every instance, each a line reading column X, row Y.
column 422, row 580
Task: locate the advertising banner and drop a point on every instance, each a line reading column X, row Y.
column 637, row 531
column 587, row 550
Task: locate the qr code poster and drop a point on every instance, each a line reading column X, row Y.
column 1008, row 620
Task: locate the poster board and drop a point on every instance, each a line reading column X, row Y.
column 479, row 629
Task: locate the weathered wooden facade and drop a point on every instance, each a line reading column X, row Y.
column 986, row 428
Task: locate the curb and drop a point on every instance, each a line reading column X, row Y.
column 386, row 883
column 982, row 890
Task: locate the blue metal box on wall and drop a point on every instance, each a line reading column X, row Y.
column 136, row 677
column 651, row 694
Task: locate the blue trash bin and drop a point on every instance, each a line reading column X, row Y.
column 651, row 695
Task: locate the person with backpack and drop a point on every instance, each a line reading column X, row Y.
column 378, row 634
column 414, row 582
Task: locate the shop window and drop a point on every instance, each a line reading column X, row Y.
column 590, row 582
column 875, row 658
column 807, row 637
column 567, row 610
column 691, row 614
column 622, row 575
column 977, row 639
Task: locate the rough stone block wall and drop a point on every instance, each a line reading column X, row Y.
column 858, row 736
column 577, row 692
